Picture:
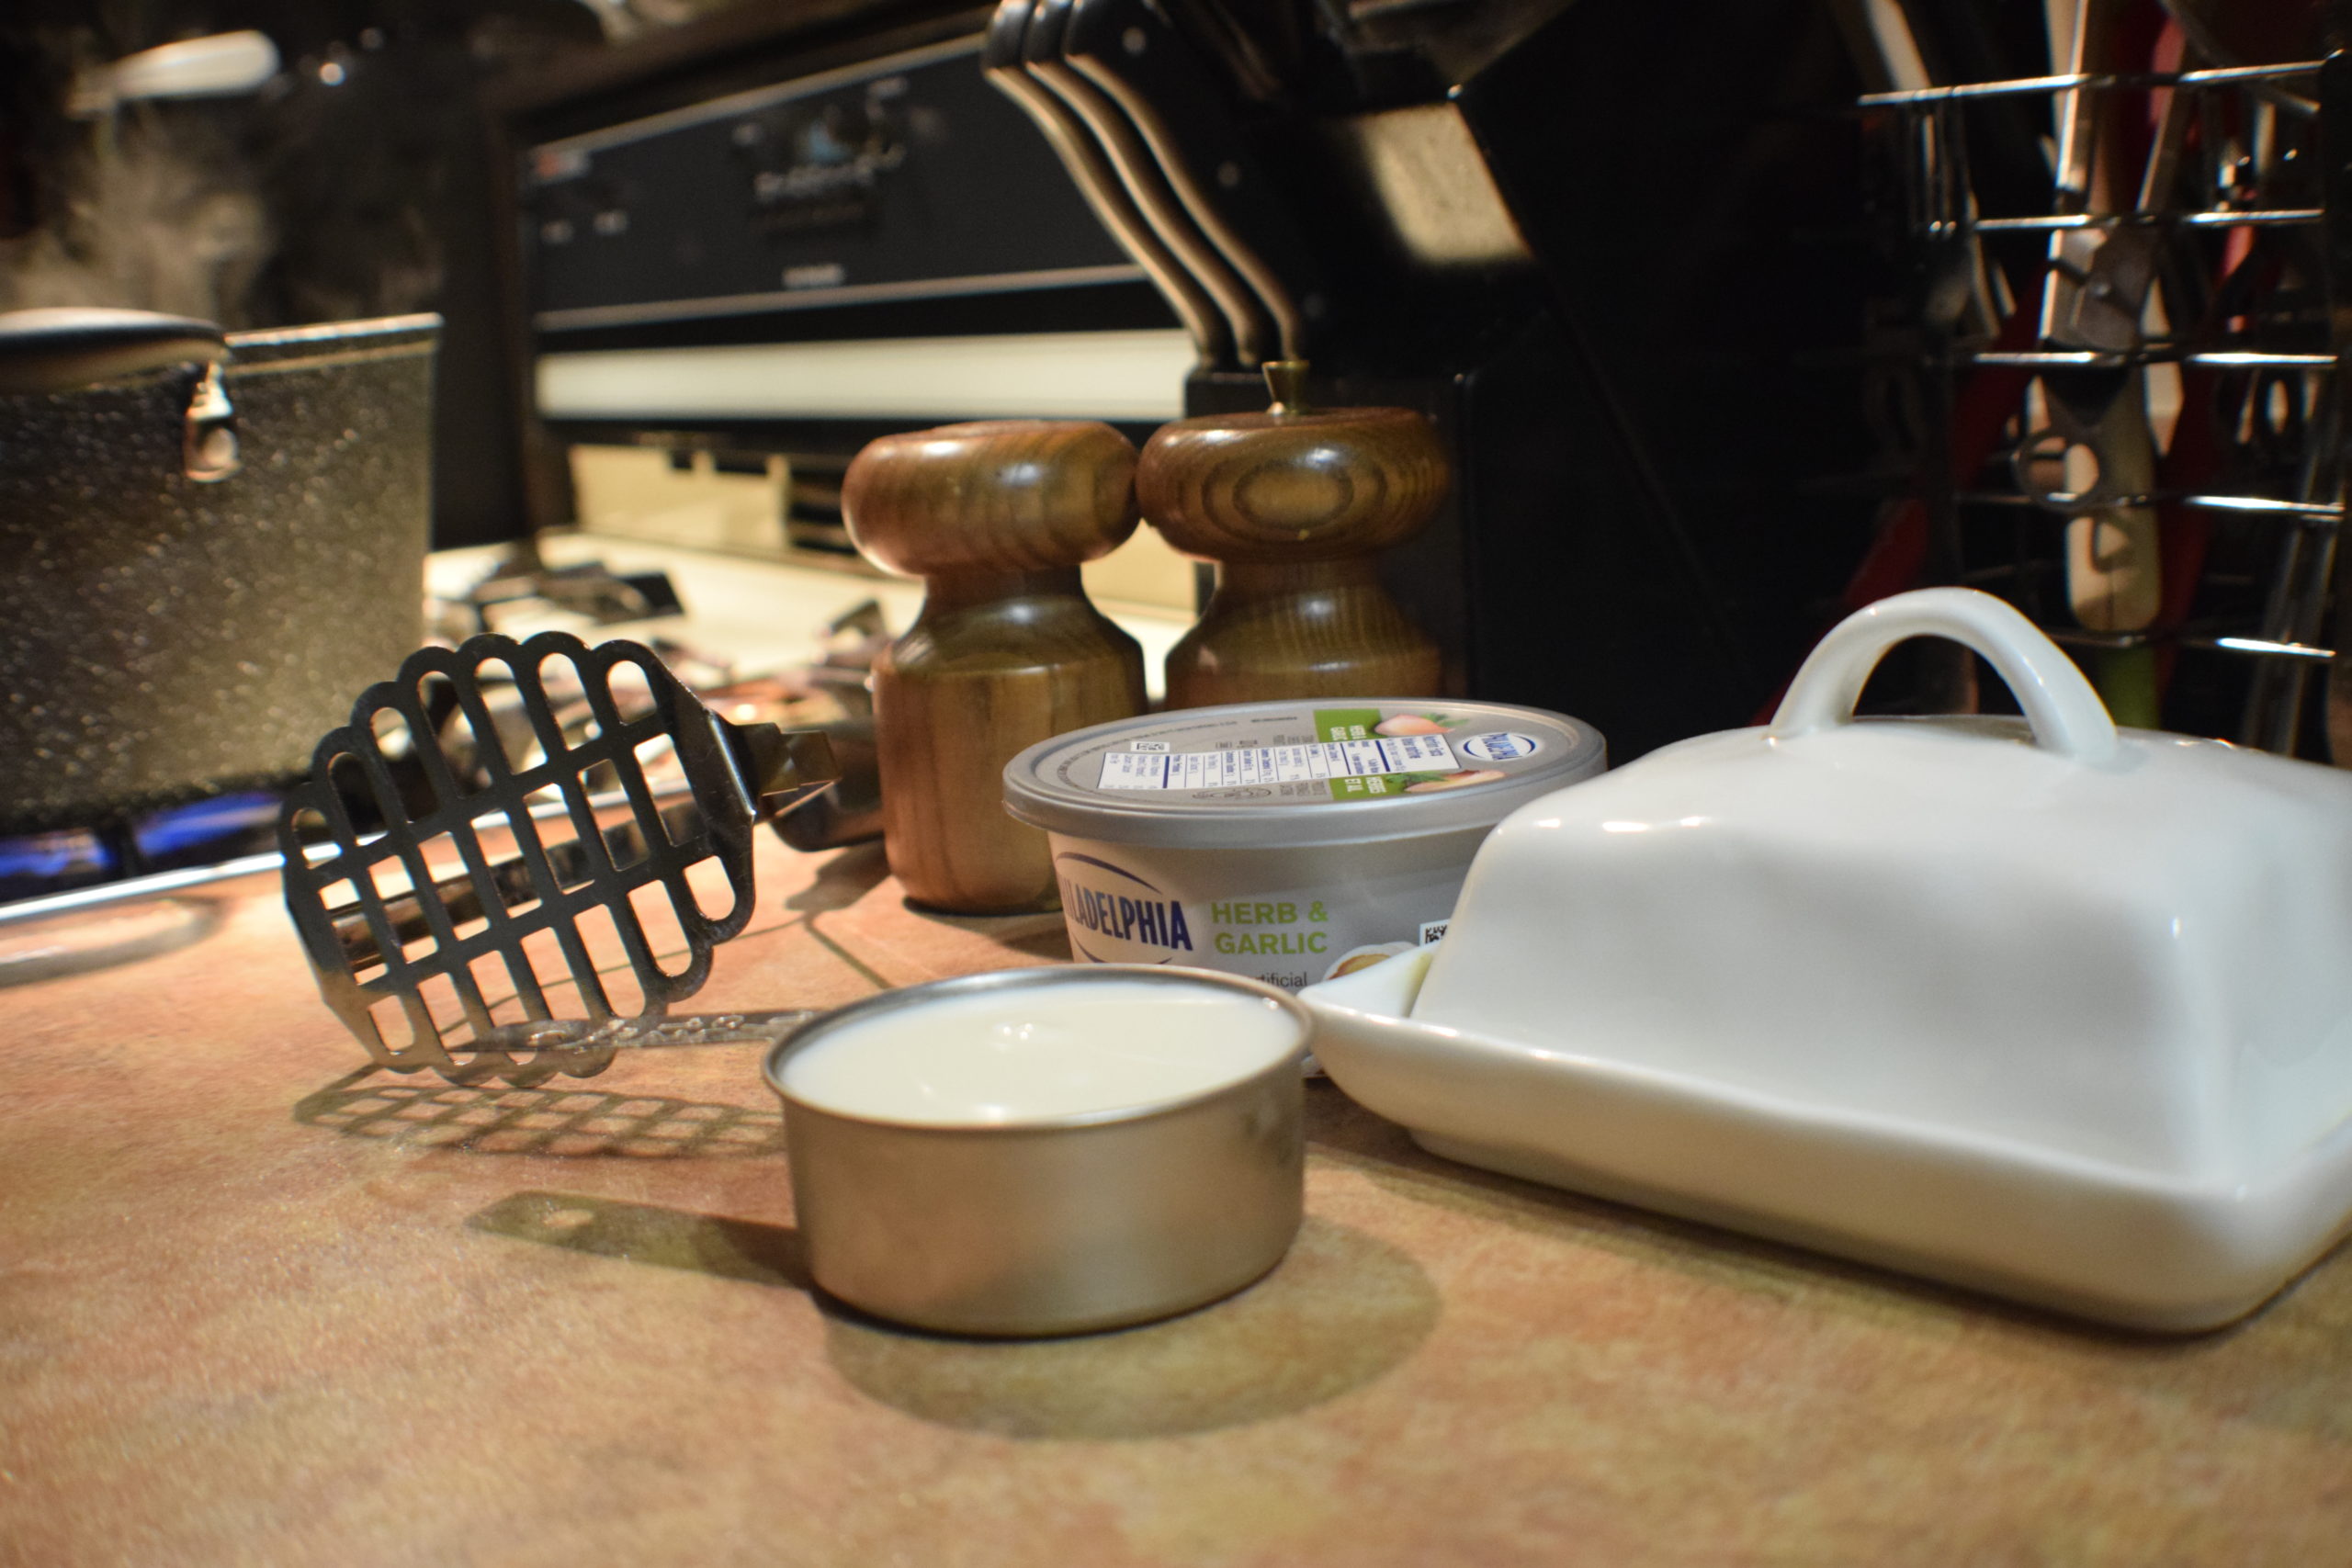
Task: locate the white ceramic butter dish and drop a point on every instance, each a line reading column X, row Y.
column 2038, row 1007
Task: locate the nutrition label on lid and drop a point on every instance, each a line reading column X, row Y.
column 1274, row 764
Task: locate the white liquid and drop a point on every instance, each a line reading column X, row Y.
column 1030, row 1053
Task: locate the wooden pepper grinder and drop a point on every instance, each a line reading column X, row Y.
column 1293, row 503
column 995, row 517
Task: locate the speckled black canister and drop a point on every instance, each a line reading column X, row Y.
column 160, row 639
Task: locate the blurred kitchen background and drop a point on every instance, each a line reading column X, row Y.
column 1635, row 334
column 1734, row 314
column 350, row 182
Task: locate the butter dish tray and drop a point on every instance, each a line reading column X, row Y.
column 2040, row 1009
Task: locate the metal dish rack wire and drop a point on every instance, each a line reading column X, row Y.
column 2120, row 407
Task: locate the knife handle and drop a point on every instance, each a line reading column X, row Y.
column 1254, row 334
column 1090, row 167
column 1128, row 49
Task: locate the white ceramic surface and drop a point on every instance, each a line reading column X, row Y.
column 2038, row 1007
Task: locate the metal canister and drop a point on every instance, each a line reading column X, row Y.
column 208, row 543
column 1062, row 1225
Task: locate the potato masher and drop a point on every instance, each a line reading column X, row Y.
column 403, row 908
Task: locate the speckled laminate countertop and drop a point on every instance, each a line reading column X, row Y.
column 256, row 1307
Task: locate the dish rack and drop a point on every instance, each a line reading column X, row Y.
column 2016, row 318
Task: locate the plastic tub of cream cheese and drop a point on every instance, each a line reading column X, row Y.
column 1291, row 842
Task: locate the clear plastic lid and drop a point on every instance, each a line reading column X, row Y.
column 1320, row 771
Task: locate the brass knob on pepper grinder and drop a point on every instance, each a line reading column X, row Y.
column 1293, row 503
column 995, row 518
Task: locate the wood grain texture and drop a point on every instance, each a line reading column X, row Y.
column 999, row 495
column 1313, row 629
column 1294, row 505
column 974, row 682
column 1007, row 651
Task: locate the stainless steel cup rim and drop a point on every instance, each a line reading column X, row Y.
column 772, row 1069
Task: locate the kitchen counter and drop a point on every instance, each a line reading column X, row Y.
column 258, row 1307
column 760, row 613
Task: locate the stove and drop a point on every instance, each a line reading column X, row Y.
column 225, row 828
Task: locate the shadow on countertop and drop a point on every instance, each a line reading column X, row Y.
column 575, row 1124
column 1340, row 1310
column 646, row 1234
column 2287, row 1365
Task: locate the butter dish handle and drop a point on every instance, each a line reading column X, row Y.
column 2066, row 714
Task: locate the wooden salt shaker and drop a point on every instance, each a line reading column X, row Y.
column 995, row 517
column 1293, row 503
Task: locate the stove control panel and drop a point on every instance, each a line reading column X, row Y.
column 906, row 178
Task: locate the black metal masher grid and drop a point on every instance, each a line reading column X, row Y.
column 595, row 882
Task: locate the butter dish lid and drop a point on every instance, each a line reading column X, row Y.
column 1316, row 771
column 2040, row 1006
column 2122, row 946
